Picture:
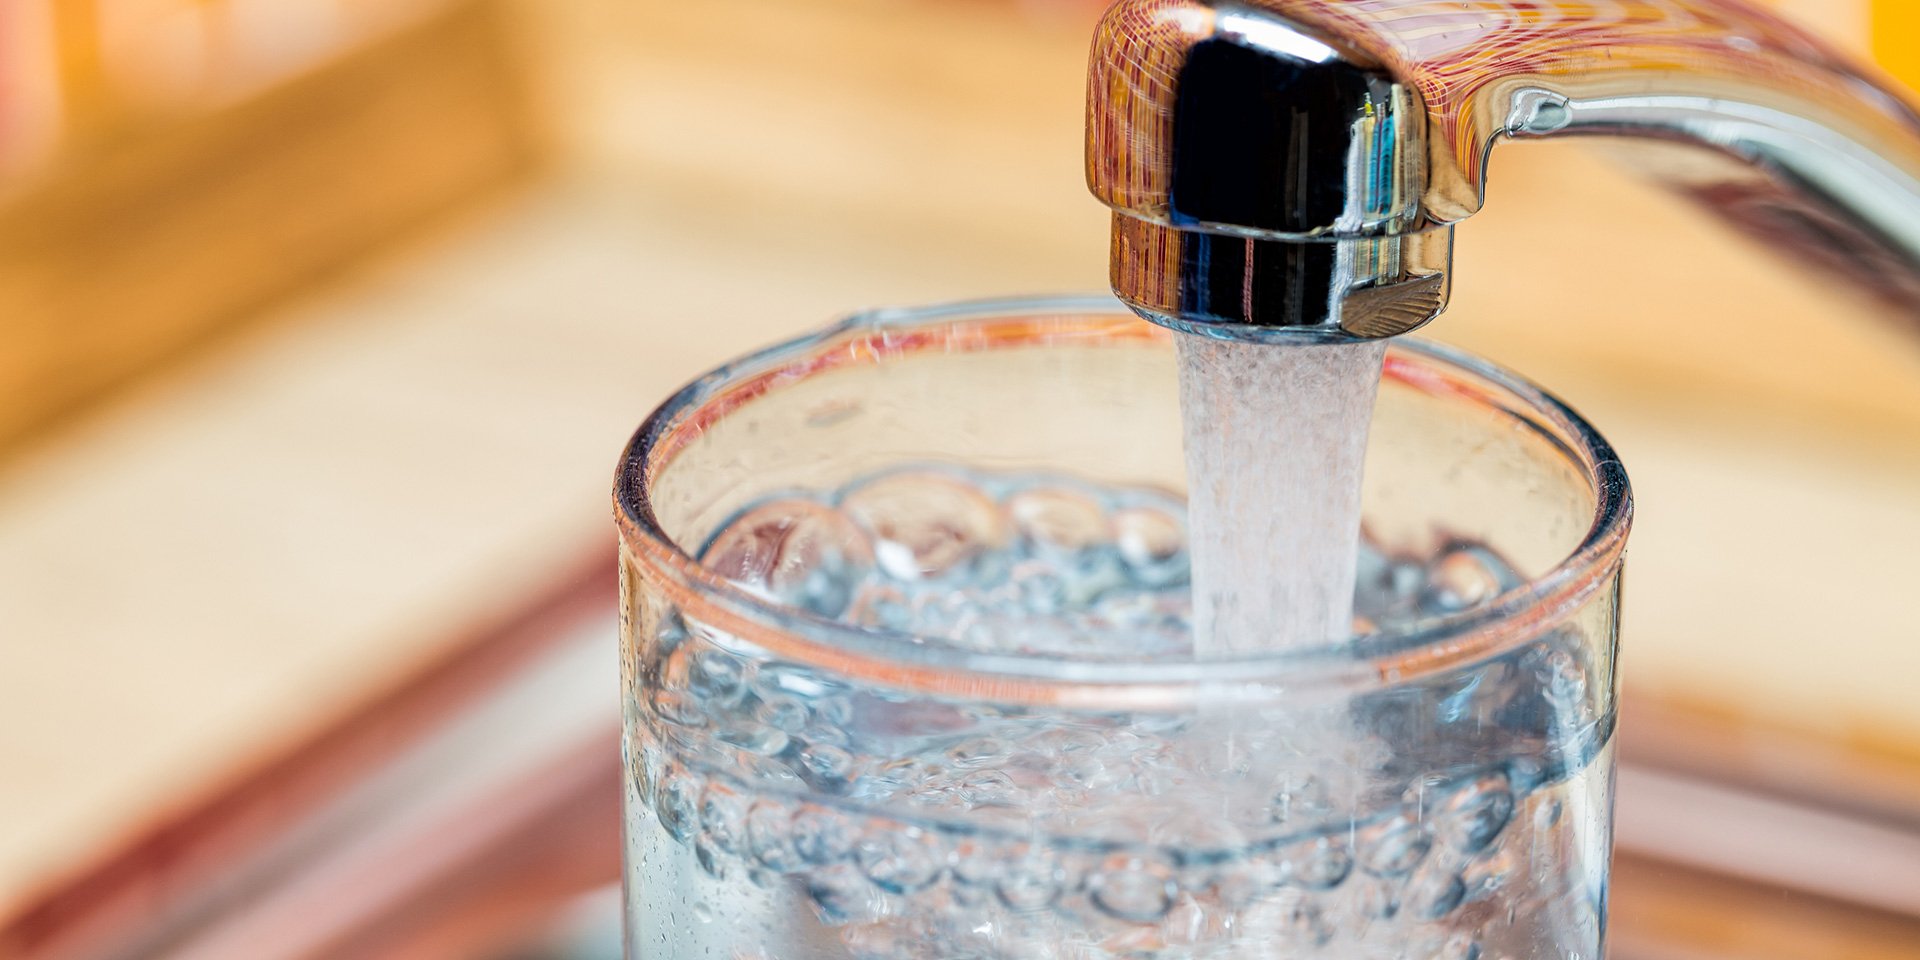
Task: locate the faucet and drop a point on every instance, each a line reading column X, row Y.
column 1292, row 169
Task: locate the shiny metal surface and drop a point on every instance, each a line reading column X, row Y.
column 1290, row 168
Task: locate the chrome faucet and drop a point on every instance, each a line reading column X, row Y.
column 1292, row 169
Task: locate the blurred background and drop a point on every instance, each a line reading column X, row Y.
column 322, row 322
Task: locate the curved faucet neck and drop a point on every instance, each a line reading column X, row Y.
column 1289, row 168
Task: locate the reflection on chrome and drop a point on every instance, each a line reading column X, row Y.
column 1263, row 189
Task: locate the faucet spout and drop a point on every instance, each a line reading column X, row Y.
column 1292, row 169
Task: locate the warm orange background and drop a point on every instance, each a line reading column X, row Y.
column 320, row 342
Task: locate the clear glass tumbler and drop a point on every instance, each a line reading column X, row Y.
column 905, row 673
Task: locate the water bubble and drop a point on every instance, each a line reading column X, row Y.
column 1319, row 864
column 1490, row 873
column 1042, row 591
column 1030, row 882
column 770, row 838
column 978, row 752
column 775, row 680
column 926, row 524
column 798, row 552
column 1394, row 848
column 679, row 708
column 678, row 804
column 839, row 893
column 899, row 859
column 1134, row 889
column 821, row 835
column 646, row 772
column 723, row 812
column 1153, row 544
column 1058, row 519
column 782, row 713
column 826, row 766
column 1547, row 815
column 976, row 861
column 987, row 788
column 717, row 678
column 754, row 737
column 1458, row 947
column 1464, row 577
column 881, row 606
column 1567, row 686
column 1237, row 885
column 1476, row 814
column 1434, row 893
column 709, row 859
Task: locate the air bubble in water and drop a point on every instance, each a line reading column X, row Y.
column 723, row 813
column 925, row 524
column 899, row 859
column 838, row 893
column 821, row 835
column 717, row 678
column 1434, row 893
column 1394, row 848
column 1030, row 882
column 826, row 765
column 1058, row 519
column 1319, row 864
column 1476, row 814
column 770, row 838
column 1464, row 577
column 799, row 552
column 678, row 805
column 1153, row 543
column 1133, row 889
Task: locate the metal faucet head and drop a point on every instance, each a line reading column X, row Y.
column 1265, row 179
column 1291, row 169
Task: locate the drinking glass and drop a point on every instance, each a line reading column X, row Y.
column 903, row 668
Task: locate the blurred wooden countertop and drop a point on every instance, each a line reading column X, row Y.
column 231, row 556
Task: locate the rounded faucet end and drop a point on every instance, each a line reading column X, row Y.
column 1235, row 287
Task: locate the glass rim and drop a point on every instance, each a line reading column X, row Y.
column 904, row 660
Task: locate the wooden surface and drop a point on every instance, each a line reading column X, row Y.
column 143, row 240
column 214, row 566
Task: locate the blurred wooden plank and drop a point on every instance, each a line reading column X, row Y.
column 1665, row 912
column 132, row 249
